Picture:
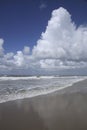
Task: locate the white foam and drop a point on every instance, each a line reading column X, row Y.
column 36, row 91
column 17, row 78
column 25, row 78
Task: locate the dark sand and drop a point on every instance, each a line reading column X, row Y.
column 62, row 110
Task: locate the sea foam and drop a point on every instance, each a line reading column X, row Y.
column 13, row 88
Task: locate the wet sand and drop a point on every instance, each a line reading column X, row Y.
column 62, row 110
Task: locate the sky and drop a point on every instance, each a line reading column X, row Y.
column 43, row 37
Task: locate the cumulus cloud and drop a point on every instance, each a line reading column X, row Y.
column 62, row 41
column 63, row 45
column 19, row 58
column 26, row 50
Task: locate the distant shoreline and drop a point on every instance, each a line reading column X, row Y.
column 4, row 75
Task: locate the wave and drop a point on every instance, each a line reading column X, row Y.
column 25, row 78
column 3, row 78
column 10, row 94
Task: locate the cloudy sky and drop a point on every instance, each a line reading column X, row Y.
column 43, row 37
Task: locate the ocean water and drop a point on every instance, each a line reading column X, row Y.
column 12, row 88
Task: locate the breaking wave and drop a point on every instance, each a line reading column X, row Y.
column 13, row 88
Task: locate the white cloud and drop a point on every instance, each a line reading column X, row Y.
column 26, row 50
column 61, row 46
column 62, row 41
column 19, row 59
column 56, row 40
column 43, row 6
column 9, row 56
column 1, row 47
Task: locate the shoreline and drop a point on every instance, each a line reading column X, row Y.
column 64, row 109
column 58, row 90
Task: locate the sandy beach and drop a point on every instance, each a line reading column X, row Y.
column 62, row 110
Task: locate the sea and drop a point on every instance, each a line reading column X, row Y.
column 13, row 88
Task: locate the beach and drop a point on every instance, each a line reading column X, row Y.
column 65, row 109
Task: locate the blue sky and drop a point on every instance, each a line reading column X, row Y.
column 22, row 23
